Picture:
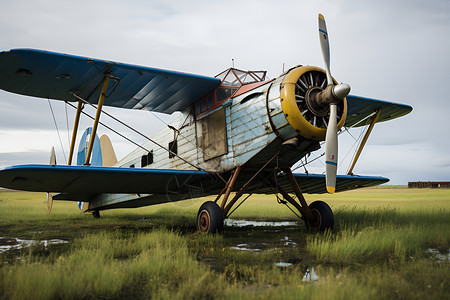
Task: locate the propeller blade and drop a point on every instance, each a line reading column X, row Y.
column 331, row 150
column 324, row 44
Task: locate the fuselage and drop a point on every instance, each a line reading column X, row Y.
column 218, row 135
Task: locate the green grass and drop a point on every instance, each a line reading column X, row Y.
column 377, row 250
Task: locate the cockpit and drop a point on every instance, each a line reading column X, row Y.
column 232, row 81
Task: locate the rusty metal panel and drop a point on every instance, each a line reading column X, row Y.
column 276, row 112
column 250, row 127
column 214, row 135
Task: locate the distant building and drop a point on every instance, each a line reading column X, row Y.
column 429, row 184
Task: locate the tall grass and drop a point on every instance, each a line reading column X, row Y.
column 381, row 235
column 113, row 266
column 377, row 250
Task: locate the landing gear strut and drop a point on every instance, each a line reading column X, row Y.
column 317, row 215
column 210, row 216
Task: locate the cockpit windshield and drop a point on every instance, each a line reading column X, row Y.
column 232, row 80
column 236, row 78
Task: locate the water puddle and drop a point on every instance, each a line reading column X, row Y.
column 253, row 247
column 7, row 244
column 310, row 276
column 283, row 264
column 257, row 246
column 439, row 255
column 245, row 223
column 262, row 235
column 278, row 243
column 288, row 242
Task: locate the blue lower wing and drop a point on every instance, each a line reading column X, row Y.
column 86, row 182
column 89, row 180
column 314, row 183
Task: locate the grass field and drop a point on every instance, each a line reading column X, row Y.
column 388, row 243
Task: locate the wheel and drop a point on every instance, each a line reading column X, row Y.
column 96, row 214
column 210, row 218
column 322, row 216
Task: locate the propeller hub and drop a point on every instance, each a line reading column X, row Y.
column 340, row 91
column 318, row 100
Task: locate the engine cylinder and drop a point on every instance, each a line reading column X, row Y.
column 303, row 113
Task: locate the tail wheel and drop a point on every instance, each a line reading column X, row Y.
column 323, row 217
column 210, row 218
column 96, row 214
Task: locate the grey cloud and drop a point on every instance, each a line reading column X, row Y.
column 389, row 50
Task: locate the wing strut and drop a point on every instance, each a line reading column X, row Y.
column 364, row 140
column 97, row 119
column 74, row 132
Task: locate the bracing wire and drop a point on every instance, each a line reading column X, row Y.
column 57, row 130
column 357, row 141
column 107, row 127
column 347, row 129
column 178, row 130
column 134, row 130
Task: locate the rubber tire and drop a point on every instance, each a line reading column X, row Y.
column 326, row 216
column 96, row 214
column 213, row 213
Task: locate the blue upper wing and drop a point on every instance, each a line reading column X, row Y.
column 53, row 75
column 359, row 108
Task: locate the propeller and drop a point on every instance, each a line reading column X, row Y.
column 332, row 95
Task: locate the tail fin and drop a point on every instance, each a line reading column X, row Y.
column 96, row 157
column 102, row 152
column 109, row 158
column 53, row 157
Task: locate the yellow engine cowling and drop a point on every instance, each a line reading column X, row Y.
column 306, row 118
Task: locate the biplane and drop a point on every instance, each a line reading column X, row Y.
column 238, row 133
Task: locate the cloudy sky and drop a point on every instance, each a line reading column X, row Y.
column 389, row 50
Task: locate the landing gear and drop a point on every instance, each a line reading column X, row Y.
column 210, row 218
column 322, row 216
column 96, row 214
